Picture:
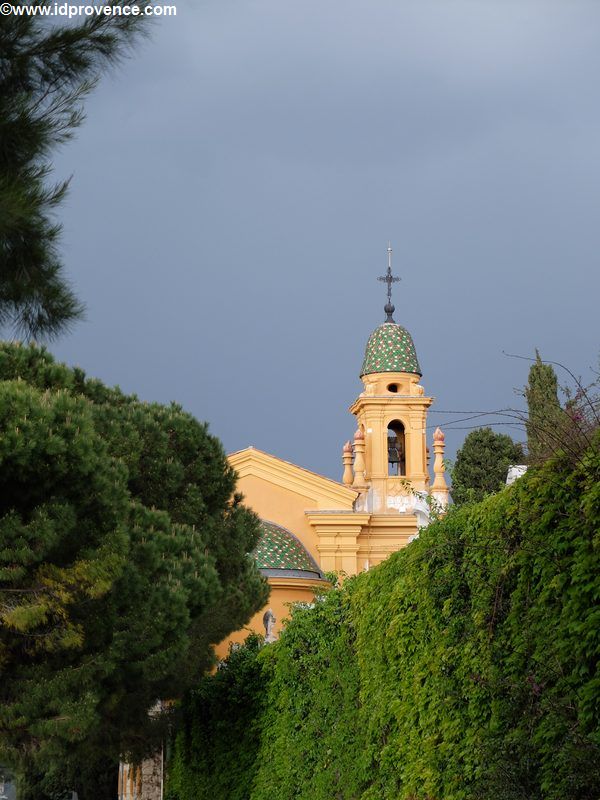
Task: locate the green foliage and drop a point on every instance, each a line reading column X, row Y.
column 220, row 720
column 482, row 465
column 462, row 668
column 311, row 744
column 123, row 558
column 544, row 414
column 45, row 72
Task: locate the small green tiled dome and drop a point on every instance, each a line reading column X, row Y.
column 278, row 549
column 390, row 349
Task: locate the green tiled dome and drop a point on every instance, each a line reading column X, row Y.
column 390, row 349
column 279, row 549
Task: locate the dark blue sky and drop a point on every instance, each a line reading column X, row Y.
column 237, row 181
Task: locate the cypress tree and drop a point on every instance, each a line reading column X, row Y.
column 545, row 418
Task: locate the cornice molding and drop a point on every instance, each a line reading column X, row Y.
column 324, row 491
column 415, row 402
column 322, row 518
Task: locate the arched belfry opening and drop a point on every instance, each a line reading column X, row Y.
column 396, row 448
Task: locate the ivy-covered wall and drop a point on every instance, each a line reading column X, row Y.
column 463, row 668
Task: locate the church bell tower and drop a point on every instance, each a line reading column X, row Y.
column 390, row 450
column 386, row 466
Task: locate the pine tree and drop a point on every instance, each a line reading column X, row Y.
column 545, row 419
column 482, row 465
column 64, row 544
column 45, row 72
column 139, row 590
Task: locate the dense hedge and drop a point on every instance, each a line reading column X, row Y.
column 463, row 668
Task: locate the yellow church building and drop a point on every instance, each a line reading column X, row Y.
column 312, row 525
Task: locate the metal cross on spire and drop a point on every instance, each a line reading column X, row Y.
column 389, row 279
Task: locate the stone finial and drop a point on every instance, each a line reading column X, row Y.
column 359, row 459
column 439, row 488
column 348, row 476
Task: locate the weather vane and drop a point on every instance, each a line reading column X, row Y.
column 389, row 279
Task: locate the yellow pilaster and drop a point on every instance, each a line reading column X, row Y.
column 382, row 536
column 338, row 539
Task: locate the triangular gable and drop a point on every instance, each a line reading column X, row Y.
column 325, row 493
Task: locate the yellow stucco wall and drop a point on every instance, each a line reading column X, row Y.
column 284, row 591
